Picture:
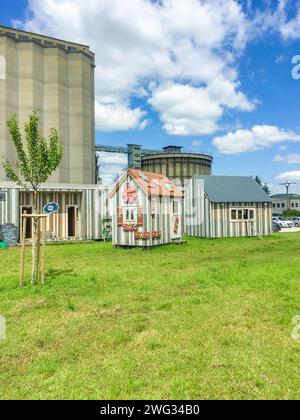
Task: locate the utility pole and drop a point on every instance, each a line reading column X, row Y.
column 288, row 185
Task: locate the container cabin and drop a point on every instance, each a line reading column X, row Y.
column 82, row 209
column 226, row 207
column 146, row 210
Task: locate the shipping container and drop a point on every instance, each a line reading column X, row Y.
column 81, row 209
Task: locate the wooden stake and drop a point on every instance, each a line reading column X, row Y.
column 38, row 249
column 23, row 250
column 43, row 250
column 256, row 233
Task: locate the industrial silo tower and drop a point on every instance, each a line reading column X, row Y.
column 175, row 164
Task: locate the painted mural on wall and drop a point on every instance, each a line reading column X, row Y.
column 148, row 210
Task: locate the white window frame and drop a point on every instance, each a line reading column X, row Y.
column 130, row 220
column 238, row 220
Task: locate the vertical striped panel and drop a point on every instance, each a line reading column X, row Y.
column 162, row 221
column 92, row 206
column 209, row 220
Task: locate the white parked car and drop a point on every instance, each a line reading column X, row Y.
column 296, row 221
column 284, row 223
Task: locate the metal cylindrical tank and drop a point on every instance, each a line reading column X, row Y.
column 178, row 165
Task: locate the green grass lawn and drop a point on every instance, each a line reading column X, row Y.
column 211, row 319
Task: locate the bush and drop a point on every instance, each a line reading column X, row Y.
column 291, row 213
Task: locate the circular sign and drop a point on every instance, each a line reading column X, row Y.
column 51, row 208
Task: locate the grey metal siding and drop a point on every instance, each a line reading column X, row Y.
column 205, row 219
column 9, row 209
column 162, row 221
column 92, row 204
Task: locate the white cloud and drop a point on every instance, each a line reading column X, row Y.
column 144, row 124
column 197, row 143
column 289, row 176
column 117, row 117
column 112, row 158
column 285, row 19
column 111, row 165
column 290, row 28
column 186, row 109
column 282, row 148
column 258, row 138
column 291, row 159
column 142, row 46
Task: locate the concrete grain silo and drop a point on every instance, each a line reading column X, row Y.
column 55, row 78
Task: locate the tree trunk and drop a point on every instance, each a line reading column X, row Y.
column 35, row 241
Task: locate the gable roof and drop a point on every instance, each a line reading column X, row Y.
column 151, row 183
column 233, row 189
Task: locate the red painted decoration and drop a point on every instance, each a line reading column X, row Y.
column 129, row 195
column 176, row 225
column 140, row 217
column 147, row 235
column 120, row 216
column 130, row 228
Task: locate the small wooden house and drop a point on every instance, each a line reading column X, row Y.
column 226, row 206
column 81, row 209
column 146, row 209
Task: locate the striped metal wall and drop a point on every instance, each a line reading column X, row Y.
column 205, row 219
column 163, row 220
column 9, row 209
column 92, row 206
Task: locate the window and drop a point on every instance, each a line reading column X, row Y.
column 130, row 214
column 240, row 215
column 233, row 215
column 37, row 40
column 175, row 207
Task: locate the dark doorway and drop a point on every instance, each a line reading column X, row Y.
column 71, row 222
column 27, row 210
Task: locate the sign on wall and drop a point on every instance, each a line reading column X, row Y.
column 2, row 196
column 51, row 208
column 9, row 234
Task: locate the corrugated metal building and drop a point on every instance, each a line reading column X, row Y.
column 146, row 209
column 82, row 208
column 9, row 204
column 175, row 164
column 220, row 207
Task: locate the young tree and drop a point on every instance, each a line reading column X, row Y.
column 264, row 186
column 38, row 158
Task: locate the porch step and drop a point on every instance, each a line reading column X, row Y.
column 180, row 242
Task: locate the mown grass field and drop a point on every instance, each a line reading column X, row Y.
column 208, row 320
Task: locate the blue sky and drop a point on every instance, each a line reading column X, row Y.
column 221, row 84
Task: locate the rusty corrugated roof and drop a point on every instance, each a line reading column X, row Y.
column 153, row 184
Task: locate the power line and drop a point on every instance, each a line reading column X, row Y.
column 288, row 185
